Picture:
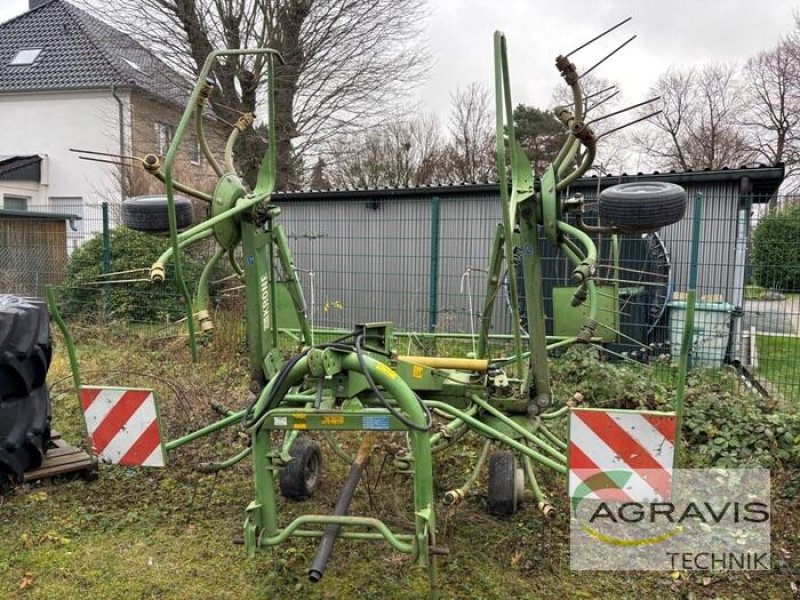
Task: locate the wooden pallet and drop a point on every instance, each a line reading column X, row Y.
column 63, row 459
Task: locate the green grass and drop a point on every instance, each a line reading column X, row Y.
column 779, row 363
column 753, row 291
column 169, row 533
column 756, row 292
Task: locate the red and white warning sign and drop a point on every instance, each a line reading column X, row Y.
column 123, row 425
column 621, row 455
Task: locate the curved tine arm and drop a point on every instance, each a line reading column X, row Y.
column 589, row 248
column 591, row 150
column 235, row 265
column 584, row 226
column 588, row 285
column 570, row 75
column 203, row 142
column 195, row 96
column 573, row 150
column 563, row 151
column 578, row 254
column 244, row 121
column 167, row 254
column 229, row 166
column 587, row 260
column 202, row 293
column 189, row 191
column 169, row 163
column 577, row 95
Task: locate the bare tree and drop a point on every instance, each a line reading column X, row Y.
column 664, row 140
column 399, row 154
column 772, row 120
column 471, row 152
column 773, row 92
column 347, row 63
column 699, row 126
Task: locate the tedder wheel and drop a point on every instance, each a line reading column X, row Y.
column 505, row 483
column 25, row 352
column 642, row 207
column 150, row 213
column 300, row 476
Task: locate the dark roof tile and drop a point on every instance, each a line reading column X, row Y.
column 20, row 168
column 80, row 52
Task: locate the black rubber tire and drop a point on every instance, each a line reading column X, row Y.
column 642, row 207
column 25, row 353
column 24, row 432
column 25, row 346
column 300, row 476
column 501, row 492
column 150, row 213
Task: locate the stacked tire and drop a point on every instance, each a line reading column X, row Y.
column 25, row 353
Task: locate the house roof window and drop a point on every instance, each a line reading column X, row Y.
column 26, row 56
column 133, row 65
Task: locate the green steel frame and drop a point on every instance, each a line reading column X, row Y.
column 365, row 386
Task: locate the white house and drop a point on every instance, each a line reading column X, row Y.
column 70, row 81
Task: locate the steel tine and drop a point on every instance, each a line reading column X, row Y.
column 218, row 281
column 116, row 281
column 103, row 160
column 607, row 56
column 590, row 96
column 626, row 109
column 233, row 289
column 615, row 280
column 98, row 153
column 610, row 131
column 123, row 272
column 588, row 109
column 597, row 37
column 607, row 266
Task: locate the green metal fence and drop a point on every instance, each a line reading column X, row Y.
column 419, row 259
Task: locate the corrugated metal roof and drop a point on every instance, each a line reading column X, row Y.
column 21, row 168
column 80, row 52
column 765, row 181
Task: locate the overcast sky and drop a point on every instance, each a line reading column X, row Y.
column 684, row 32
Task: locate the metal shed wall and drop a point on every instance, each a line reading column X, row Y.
column 371, row 250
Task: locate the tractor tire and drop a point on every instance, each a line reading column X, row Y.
column 25, row 346
column 503, row 492
column 642, row 207
column 25, row 354
column 24, row 432
column 300, row 476
column 151, row 213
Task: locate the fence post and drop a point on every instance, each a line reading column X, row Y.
column 106, row 259
column 688, row 328
column 433, row 295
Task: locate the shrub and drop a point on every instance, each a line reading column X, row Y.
column 724, row 425
column 775, row 258
column 608, row 385
column 138, row 301
column 723, row 428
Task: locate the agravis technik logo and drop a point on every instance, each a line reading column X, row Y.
column 712, row 519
